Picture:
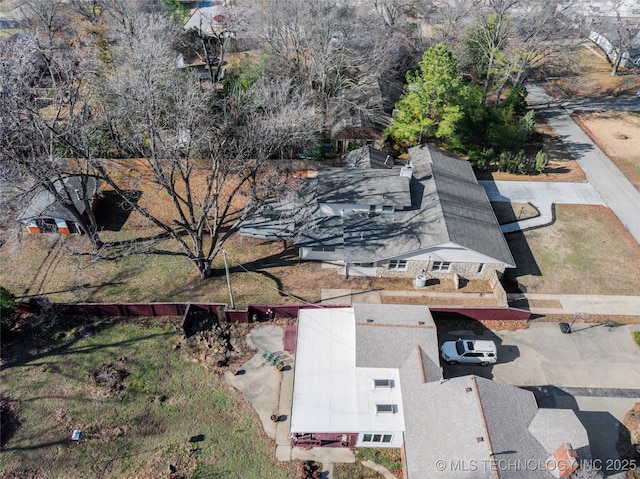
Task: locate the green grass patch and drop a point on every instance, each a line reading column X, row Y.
column 388, row 457
column 636, row 337
column 354, row 471
column 170, row 411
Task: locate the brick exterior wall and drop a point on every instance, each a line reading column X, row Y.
column 465, row 270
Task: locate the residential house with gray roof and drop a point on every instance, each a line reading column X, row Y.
column 369, row 376
column 46, row 213
column 377, row 218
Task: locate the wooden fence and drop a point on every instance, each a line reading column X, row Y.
column 253, row 313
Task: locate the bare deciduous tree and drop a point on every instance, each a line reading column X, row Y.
column 509, row 38
column 207, row 156
column 337, row 49
column 45, row 124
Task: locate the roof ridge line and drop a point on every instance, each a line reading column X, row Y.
column 422, row 374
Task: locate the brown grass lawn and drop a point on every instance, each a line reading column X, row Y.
column 618, row 135
column 593, row 78
column 261, row 273
column 586, row 251
column 511, row 212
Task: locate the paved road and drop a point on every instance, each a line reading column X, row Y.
column 619, row 103
column 614, row 188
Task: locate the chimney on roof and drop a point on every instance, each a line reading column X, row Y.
column 565, row 461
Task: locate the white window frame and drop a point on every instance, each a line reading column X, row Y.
column 439, row 266
column 397, row 265
column 386, row 408
column 377, row 438
column 383, row 383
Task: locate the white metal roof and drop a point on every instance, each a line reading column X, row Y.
column 330, row 394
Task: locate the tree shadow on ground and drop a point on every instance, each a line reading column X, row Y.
column 27, row 349
column 112, row 212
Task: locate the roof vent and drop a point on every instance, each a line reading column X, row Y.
column 406, row 171
column 369, row 320
column 421, row 323
column 479, row 439
column 468, row 390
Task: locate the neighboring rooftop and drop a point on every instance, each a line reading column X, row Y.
column 330, row 393
column 75, row 188
column 367, row 157
column 363, row 187
column 446, row 205
column 495, row 427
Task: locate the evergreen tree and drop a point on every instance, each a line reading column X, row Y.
column 433, row 103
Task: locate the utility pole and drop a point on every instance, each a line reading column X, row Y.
column 226, row 269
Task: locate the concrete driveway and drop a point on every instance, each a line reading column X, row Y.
column 595, row 371
column 542, row 195
column 615, row 189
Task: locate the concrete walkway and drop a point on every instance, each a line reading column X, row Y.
column 270, row 392
column 615, row 189
column 610, row 305
column 542, row 195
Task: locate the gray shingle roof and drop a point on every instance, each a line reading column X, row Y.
column 45, row 205
column 553, row 427
column 466, row 210
column 447, row 205
column 442, row 202
column 367, row 157
column 363, row 187
column 507, row 412
column 473, row 421
column 387, row 334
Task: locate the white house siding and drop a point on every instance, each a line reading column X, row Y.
column 310, row 254
column 338, row 209
column 465, row 270
column 359, row 270
column 396, row 439
column 464, row 262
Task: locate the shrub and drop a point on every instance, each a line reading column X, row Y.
column 481, row 159
column 541, row 162
column 512, row 163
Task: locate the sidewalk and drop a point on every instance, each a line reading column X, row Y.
column 612, row 185
column 577, row 303
column 536, row 303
